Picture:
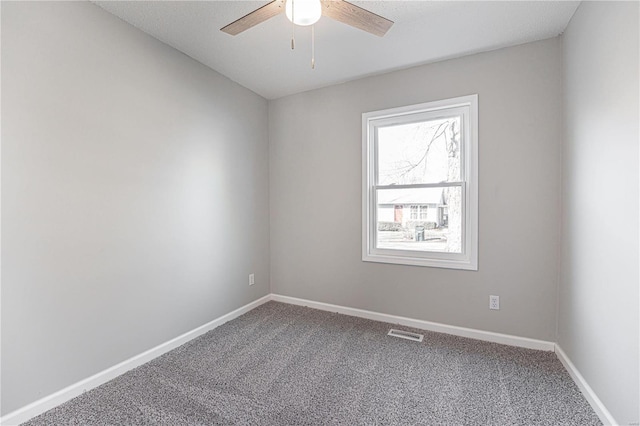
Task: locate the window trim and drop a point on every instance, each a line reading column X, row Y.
column 468, row 259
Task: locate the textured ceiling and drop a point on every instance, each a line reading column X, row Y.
column 262, row 60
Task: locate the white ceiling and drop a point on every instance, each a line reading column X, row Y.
column 262, row 60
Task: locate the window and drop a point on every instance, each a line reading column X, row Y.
column 423, row 212
column 414, row 212
column 424, row 160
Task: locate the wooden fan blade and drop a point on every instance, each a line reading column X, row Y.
column 254, row 18
column 355, row 16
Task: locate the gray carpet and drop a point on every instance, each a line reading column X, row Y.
column 288, row 365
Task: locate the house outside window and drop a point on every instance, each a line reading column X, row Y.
column 420, row 168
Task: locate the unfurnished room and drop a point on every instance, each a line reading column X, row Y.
column 319, row 212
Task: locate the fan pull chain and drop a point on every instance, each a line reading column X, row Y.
column 293, row 25
column 313, row 47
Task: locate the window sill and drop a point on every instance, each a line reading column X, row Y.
column 463, row 264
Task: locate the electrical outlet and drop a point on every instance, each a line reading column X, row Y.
column 252, row 279
column 494, row 302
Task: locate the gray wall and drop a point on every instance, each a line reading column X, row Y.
column 134, row 195
column 598, row 315
column 315, row 194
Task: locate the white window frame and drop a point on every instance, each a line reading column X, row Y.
column 422, row 212
column 467, row 107
column 414, row 210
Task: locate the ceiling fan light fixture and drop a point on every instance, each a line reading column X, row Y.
column 303, row 12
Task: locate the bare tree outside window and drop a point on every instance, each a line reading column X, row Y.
column 422, row 152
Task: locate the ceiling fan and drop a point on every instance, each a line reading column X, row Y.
column 308, row 12
column 304, row 11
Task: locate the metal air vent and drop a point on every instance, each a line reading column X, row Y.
column 405, row 335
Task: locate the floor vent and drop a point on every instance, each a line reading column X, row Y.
column 405, row 335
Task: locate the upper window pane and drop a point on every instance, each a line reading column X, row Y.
column 424, row 151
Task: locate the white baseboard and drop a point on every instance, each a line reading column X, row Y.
column 591, row 397
column 40, row 406
column 488, row 336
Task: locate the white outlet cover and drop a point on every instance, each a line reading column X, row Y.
column 494, row 302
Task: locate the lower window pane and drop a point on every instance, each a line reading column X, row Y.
column 420, row 219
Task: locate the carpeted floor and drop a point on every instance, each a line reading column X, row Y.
column 288, row 365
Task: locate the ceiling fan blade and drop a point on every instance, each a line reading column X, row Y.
column 254, row 18
column 355, row 16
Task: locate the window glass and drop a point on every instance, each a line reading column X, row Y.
column 427, row 151
column 424, row 227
